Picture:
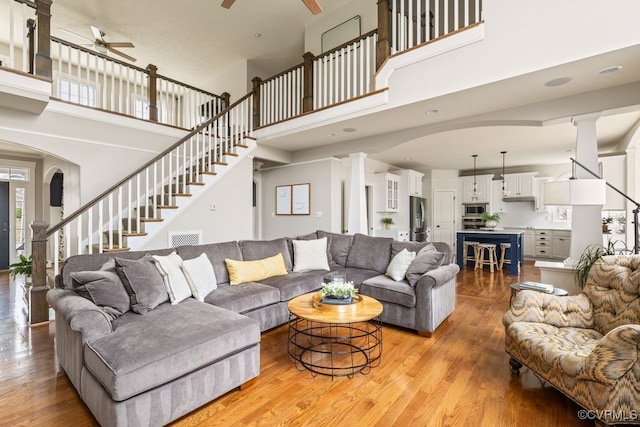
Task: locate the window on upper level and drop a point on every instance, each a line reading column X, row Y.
column 78, row 92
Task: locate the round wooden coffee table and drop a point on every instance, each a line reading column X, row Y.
column 335, row 340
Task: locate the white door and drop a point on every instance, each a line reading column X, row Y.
column 444, row 217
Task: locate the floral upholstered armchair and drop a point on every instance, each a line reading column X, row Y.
column 587, row 346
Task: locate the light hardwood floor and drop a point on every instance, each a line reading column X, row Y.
column 459, row 377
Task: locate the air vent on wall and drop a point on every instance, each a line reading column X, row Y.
column 183, row 238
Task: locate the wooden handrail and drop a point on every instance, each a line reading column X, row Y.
column 170, row 80
column 29, row 3
column 105, row 193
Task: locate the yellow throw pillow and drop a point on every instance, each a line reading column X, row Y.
column 253, row 271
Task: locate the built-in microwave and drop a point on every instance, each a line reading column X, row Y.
column 474, row 209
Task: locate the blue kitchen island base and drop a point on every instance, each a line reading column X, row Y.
column 497, row 237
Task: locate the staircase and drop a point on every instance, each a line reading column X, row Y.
column 132, row 212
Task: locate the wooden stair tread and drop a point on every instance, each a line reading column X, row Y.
column 208, row 173
column 195, row 183
column 151, row 219
column 166, row 207
column 133, row 234
column 241, row 145
column 220, row 163
column 113, row 250
column 230, row 154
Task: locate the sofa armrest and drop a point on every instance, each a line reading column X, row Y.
column 616, row 353
column 560, row 311
column 438, row 276
column 79, row 313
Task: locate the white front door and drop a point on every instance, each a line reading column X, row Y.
column 444, row 217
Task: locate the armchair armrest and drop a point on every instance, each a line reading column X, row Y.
column 560, row 311
column 616, row 353
column 79, row 313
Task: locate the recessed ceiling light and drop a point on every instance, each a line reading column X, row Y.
column 408, row 159
column 431, row 112
column 257, row 35
column 349, row 129
column 610, row 70
column 568, row 150
column 332, row 134
column 558, row 82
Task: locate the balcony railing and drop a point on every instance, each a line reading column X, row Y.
column 17, row 30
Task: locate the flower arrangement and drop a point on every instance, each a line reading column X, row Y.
column 339, row 290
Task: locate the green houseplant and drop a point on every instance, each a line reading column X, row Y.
column 22, row 267
column 491, row 219
column 387, row 221
column 590, row 256
column 605, row 224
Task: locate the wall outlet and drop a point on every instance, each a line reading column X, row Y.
column 212, row 207
column 318, row 214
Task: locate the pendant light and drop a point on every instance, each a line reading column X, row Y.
column 505, row 190
column 475, row 194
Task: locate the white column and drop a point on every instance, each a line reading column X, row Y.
column 586, row 226
column 357, row 197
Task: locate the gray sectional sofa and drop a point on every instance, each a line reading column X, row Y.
column 152, row 368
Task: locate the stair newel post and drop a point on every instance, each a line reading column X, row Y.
column 383, row 46
column 257, row 81
column 31, row 35
column 226, row 100
column 38, row 306
column 307, row 96
column 44, row 66
column 226, row 122
column 153, row 92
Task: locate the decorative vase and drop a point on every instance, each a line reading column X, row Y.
column 328, row 299
column 491, row 223
column 387, row 226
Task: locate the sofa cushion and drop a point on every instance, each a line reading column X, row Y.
column 384, row 288
column 339, row 246
column 243, row 298
column 260, row 249
column 310, row 255
column 200, row 276
column 399, row 265
column 370, row 253
column 217, row 253
column 157, row 348
column 294, row 284
column 426, row 260
column 170, row 268
column 252, row 271
column 105, row 289
column 143, row 283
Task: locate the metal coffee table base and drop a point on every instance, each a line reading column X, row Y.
column 335, row 349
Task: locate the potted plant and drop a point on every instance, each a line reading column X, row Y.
column 491, row 220
column 22, row 267
column 387, row 221
column 591, row 254
column 605, row 224
column 338, row 292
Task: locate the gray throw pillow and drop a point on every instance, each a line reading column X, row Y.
column 370, row 253
column 143, row 283
column 339, row 246
column 427, row 259
column 105, row 289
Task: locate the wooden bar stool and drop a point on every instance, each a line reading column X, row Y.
column 503, row 250
column 469, row 244
column 491, row 256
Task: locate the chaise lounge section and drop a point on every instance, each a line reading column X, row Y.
column 145, row 358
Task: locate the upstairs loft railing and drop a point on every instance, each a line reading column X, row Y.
column 105, row 223
column 17, row 32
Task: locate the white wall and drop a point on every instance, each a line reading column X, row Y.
column 324, row 177
column 233, row 217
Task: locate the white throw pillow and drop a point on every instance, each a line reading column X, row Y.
column 310, row 255
column 399, row 265
column 170, row 268
column 200, row 276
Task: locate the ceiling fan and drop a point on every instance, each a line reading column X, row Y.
column 101, row 45
column 312, row 5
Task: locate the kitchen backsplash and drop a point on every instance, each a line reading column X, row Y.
column 522, row 214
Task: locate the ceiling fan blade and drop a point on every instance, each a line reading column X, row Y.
column 76, row 35
column 119, row 44
column 313, row 6
column 227, row 3
column 96, row 32
column 124, row 55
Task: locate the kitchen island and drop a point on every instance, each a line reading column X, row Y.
column 493, row 236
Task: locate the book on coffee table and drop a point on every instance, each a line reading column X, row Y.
column 536, row 286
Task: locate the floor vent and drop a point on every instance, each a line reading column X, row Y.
column 182, row 238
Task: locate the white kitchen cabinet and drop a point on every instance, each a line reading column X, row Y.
column 483, row 185
column 544, row 242
column 561, row 244
column 539, row 205
column 529, row 245
column 387, row 186
column 520, row 184
column 496, row 205
column 415, row 183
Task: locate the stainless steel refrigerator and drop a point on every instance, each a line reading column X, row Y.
column 418, row 219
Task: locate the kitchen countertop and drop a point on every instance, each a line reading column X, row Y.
column 537, row 228
column 491, row 231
